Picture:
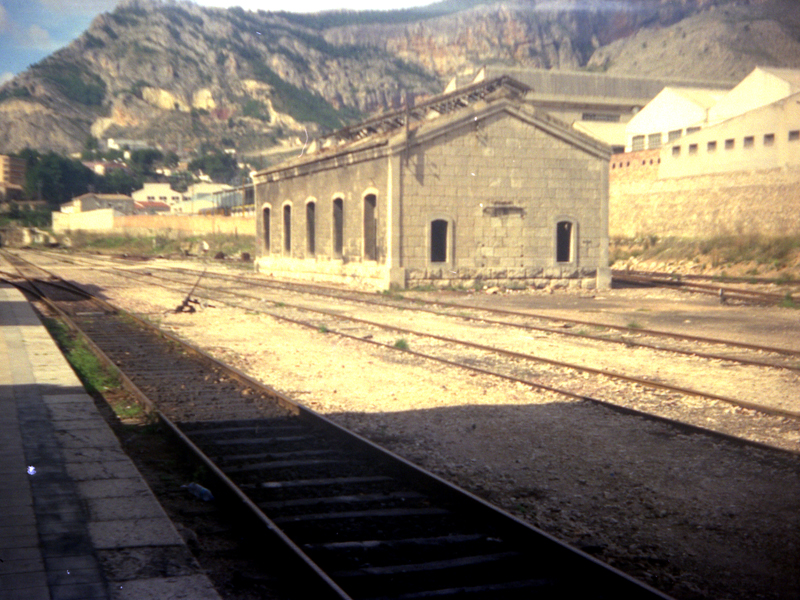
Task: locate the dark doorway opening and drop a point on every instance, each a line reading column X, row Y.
column 438, row 241
column 564, row 241
column 338, row 227
column 311, row 228
column 287, row 229
column 266, row 222
column 371, row 227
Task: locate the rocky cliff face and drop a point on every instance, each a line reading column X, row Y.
column 724, row 42
column 179, row 76
column 535, row 33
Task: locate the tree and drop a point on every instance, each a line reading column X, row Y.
column 54, row 178
column 219, row 166
column 91, row 148
column 142, row 160
column 118, row 181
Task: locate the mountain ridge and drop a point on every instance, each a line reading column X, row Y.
column 185, row 78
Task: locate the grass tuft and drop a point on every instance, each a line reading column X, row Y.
column 401, row 344
column 95, row 376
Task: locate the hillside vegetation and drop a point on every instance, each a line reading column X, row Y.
column 179, row 76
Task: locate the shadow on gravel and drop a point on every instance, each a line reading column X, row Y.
column 695, row 515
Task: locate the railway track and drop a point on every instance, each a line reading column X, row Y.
column 363, row 522
column 652, row 396
column 705, row 285
column 629, row 336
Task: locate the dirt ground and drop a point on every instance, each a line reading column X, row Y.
column 694, row 516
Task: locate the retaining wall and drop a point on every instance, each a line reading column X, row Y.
column 704, row 206
column 105, row 221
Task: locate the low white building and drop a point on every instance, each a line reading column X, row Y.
column 159, row 192
column 674, row 112
column 764, row 138
column 740, row 113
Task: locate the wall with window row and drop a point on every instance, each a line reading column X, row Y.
column 497, row 200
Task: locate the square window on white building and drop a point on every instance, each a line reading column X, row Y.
column 712, row 146
column 674, row 135
column 654, row 140
column 749, row 141
column 730, row 144
column 794, row 135
column 637, row 143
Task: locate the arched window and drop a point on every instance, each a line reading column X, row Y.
column 565, row 242
column 338, row 227
column 439, row 241
column 370, row 227
column 287, row 229
column 311, row 225
column 265, row 219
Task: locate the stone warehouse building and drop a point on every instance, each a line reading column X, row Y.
column 473, row 186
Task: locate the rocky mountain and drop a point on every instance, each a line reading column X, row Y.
column 724, row 42
column 183, row 77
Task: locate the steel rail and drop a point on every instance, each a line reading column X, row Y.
column 628, row 586
column 528, row 327
column 521, row 356
column 518, row 355
column 511, row 378
column 703, row 288
column 334, row 292
column 710, row 278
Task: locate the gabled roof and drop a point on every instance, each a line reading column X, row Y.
column 703, row 97
column 790, row 76
column 111, row 197
column 438, row 105
column 386, row 136
column 152, row 204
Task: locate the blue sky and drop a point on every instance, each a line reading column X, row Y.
column 32, row 29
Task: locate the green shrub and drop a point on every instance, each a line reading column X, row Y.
column 401, row 344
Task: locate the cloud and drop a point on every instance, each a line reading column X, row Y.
column 4, row 77
column 5, row 22
column 39, row 38
column 91, row 7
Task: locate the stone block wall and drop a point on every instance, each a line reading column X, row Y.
column 351, row 183
column 502, row 186
column 704, row 206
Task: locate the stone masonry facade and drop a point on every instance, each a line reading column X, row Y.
column 503, row 186
column 499, row 195
column 704, row 206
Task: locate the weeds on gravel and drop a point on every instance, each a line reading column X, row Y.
column 94, row 375
column 634, row 325
column 392, row 295
column 401, row 344
column 788, row 301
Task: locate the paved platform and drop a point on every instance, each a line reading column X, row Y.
column 77, row 520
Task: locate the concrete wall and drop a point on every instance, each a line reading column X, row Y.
column 105, row 221
column 96, row 221
column 746, row 202
column 759, row 88
column 672, row 109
